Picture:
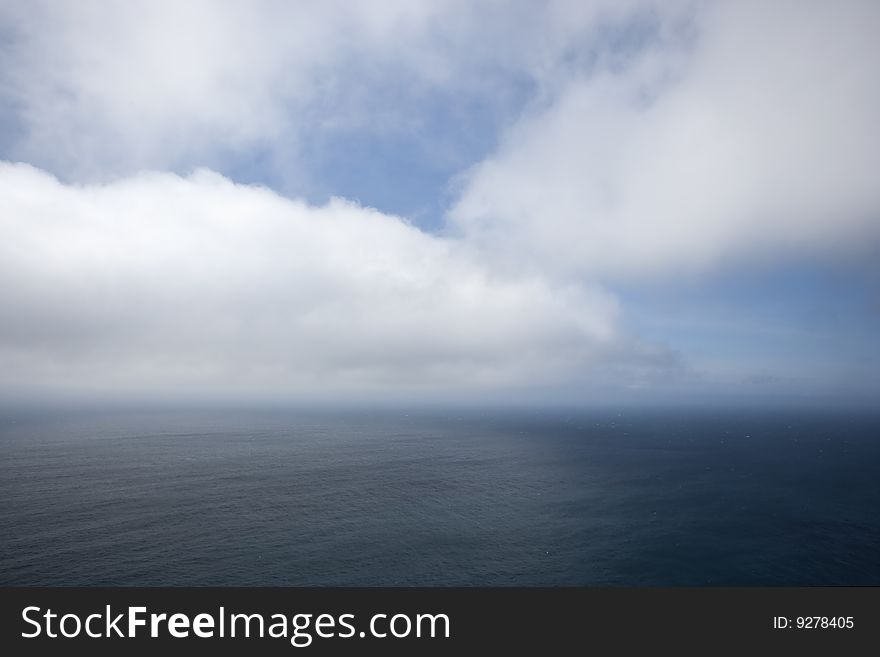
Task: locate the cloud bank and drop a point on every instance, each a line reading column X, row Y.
column 752, row 134
column 160, row 282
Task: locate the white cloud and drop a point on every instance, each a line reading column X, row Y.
column 755, row 136
column 661, row 136
column 106, row 88
column 164, row 283
column 95, row 90
column 658, row 137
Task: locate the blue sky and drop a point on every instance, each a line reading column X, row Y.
column 796, row 328
column 584, row 201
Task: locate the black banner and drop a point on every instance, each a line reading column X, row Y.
column 173, row 621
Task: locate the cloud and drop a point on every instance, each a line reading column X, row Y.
column 658, row 137
column 165, row 283
column 98, row 90
column 102, row 89
column 748, row 130
column 635, row 141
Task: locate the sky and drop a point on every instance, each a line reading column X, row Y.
column 509, row 202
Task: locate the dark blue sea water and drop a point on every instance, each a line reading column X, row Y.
column 439, row 498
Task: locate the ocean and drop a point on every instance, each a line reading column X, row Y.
column 439, row 498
